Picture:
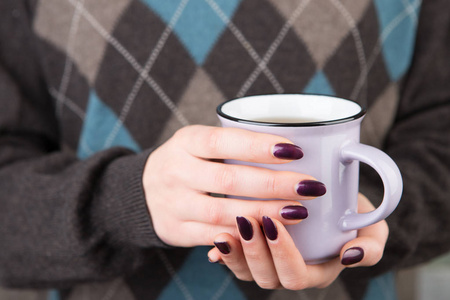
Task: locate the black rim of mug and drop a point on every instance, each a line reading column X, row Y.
column 359, row 115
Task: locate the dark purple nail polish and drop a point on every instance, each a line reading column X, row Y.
column 245, row 228
column 352, row 256
column 294, row 212
column 223, row 247
column 287, row 151
column 270, row 229
column 311, row 188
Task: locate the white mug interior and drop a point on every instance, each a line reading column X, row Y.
column 290, row 109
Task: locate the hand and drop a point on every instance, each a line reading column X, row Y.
column 273, row 261
column 180, row 174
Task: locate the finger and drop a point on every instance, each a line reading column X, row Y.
column 223, row 211
column 251, row 181
column 229, row 250
column 367, row 249
column 257, row 253
column 234, row 143
column 292, row 271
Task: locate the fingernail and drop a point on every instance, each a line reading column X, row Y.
column 269, row 228
column 294, row 212
column 352, row 256
column 311, row 188
column 223, row 247
column 245, row 228
column 287, row 151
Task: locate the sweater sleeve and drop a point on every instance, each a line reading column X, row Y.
column 62, row 220
column 419, row 142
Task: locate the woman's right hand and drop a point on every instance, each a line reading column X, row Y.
column 180, row 175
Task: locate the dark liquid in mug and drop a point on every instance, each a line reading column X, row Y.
column 286, row 120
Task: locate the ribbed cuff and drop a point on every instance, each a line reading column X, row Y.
column 122, row 203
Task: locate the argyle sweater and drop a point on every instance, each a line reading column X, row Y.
column 88, row 88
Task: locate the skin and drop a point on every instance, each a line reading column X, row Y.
column 278, row 264
column 179, row 177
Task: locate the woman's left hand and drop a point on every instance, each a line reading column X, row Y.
column 272, row 260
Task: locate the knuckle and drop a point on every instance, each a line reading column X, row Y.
column 226, row 179
column 280, row 256
column 252, row 255
column 270, row 184
column 260, row 212
column 214, row 139
column 295, row 284
column 214, row 213
column 183, row 136
column 254, row 149
column 170, row 176
column 268, row 283
column 181, row 133
column 244, row 277
column 166, row 235
column 207, row 237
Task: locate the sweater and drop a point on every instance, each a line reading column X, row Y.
column 89, row 88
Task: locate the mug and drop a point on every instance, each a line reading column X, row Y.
column 328, row 130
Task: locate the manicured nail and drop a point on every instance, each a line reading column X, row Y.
column 352, row 256
column 245, row 228
column 294, row 212
column 287, row 151
column 269, row 228
column 311, row 188
column 223, row 247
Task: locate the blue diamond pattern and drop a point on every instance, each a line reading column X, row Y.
column 98, row 124
column 202, row 279
column 198, row 26
column 53, row 295
column 399, row 28
column 319, row 84
column 382, row 287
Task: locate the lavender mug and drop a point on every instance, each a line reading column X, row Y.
column 327, row 129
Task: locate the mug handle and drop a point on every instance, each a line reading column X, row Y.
column 390, row 175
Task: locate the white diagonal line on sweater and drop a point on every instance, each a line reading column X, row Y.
column 112, row 289
column 68, row 102
column 378, row 46
column 273, row 48
column 358, row 42
column 148, row 65
column 85, row 147
column 223, row 287
column 68, row 61
column 245, row 43
column 133, row 62
column 187, row 295
column 409, row 6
